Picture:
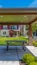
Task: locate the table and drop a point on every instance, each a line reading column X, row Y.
column 22, row 41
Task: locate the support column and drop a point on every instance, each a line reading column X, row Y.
column 30, row 34
column 24, row 30
column 17, row 33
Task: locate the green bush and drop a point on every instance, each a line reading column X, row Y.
column 35, row 43
column 33, row 63
column 35, row 59
column 27, row 58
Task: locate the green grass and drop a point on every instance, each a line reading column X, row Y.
column 3, row 40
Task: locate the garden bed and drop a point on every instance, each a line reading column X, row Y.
column 22, row 63
column 28, row 59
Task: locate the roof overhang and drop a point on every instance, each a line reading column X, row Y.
column 19, row 11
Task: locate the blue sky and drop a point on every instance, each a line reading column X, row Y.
column 18, row 3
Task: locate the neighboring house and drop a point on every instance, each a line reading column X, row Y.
column 4, row 30
column 16, row 29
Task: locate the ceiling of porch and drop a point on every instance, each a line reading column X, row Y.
column 18, row 15
column 17, row 18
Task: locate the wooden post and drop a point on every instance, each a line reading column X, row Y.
column 30, row 34
column 7, row 45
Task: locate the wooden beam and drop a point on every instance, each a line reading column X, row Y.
column 25, row 13
column 18, row 23
column 12, row 23
column 18, row 11
column 34, row 20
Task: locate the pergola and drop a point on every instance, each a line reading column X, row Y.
column 19, row 16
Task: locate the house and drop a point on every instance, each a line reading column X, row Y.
column 16, row 30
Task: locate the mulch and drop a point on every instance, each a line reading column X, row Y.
column 22, row 63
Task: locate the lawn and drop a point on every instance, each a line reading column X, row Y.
column 3, row 40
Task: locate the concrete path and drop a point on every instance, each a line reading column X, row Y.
column 9, row 63
column 32, row 49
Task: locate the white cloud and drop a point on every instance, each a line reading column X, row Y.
column 33, row 4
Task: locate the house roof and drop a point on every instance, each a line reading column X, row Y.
column 18, row 16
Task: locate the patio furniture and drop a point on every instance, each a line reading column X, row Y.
column 22, row 41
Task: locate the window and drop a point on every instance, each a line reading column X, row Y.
column 14, row 27
column 5, row 27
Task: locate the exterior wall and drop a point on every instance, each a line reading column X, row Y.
column 4, row 33
column 4, row 30
column 23, row 30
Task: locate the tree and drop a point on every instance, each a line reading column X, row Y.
column 34, row 26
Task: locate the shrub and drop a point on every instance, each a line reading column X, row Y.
column 33, row 63
column 27, row 58
column 35, row 43
column 35, row 59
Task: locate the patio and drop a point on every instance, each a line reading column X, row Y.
column 14, row 53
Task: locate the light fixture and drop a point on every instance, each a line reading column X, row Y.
column 1, row 16
column 25, row 16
